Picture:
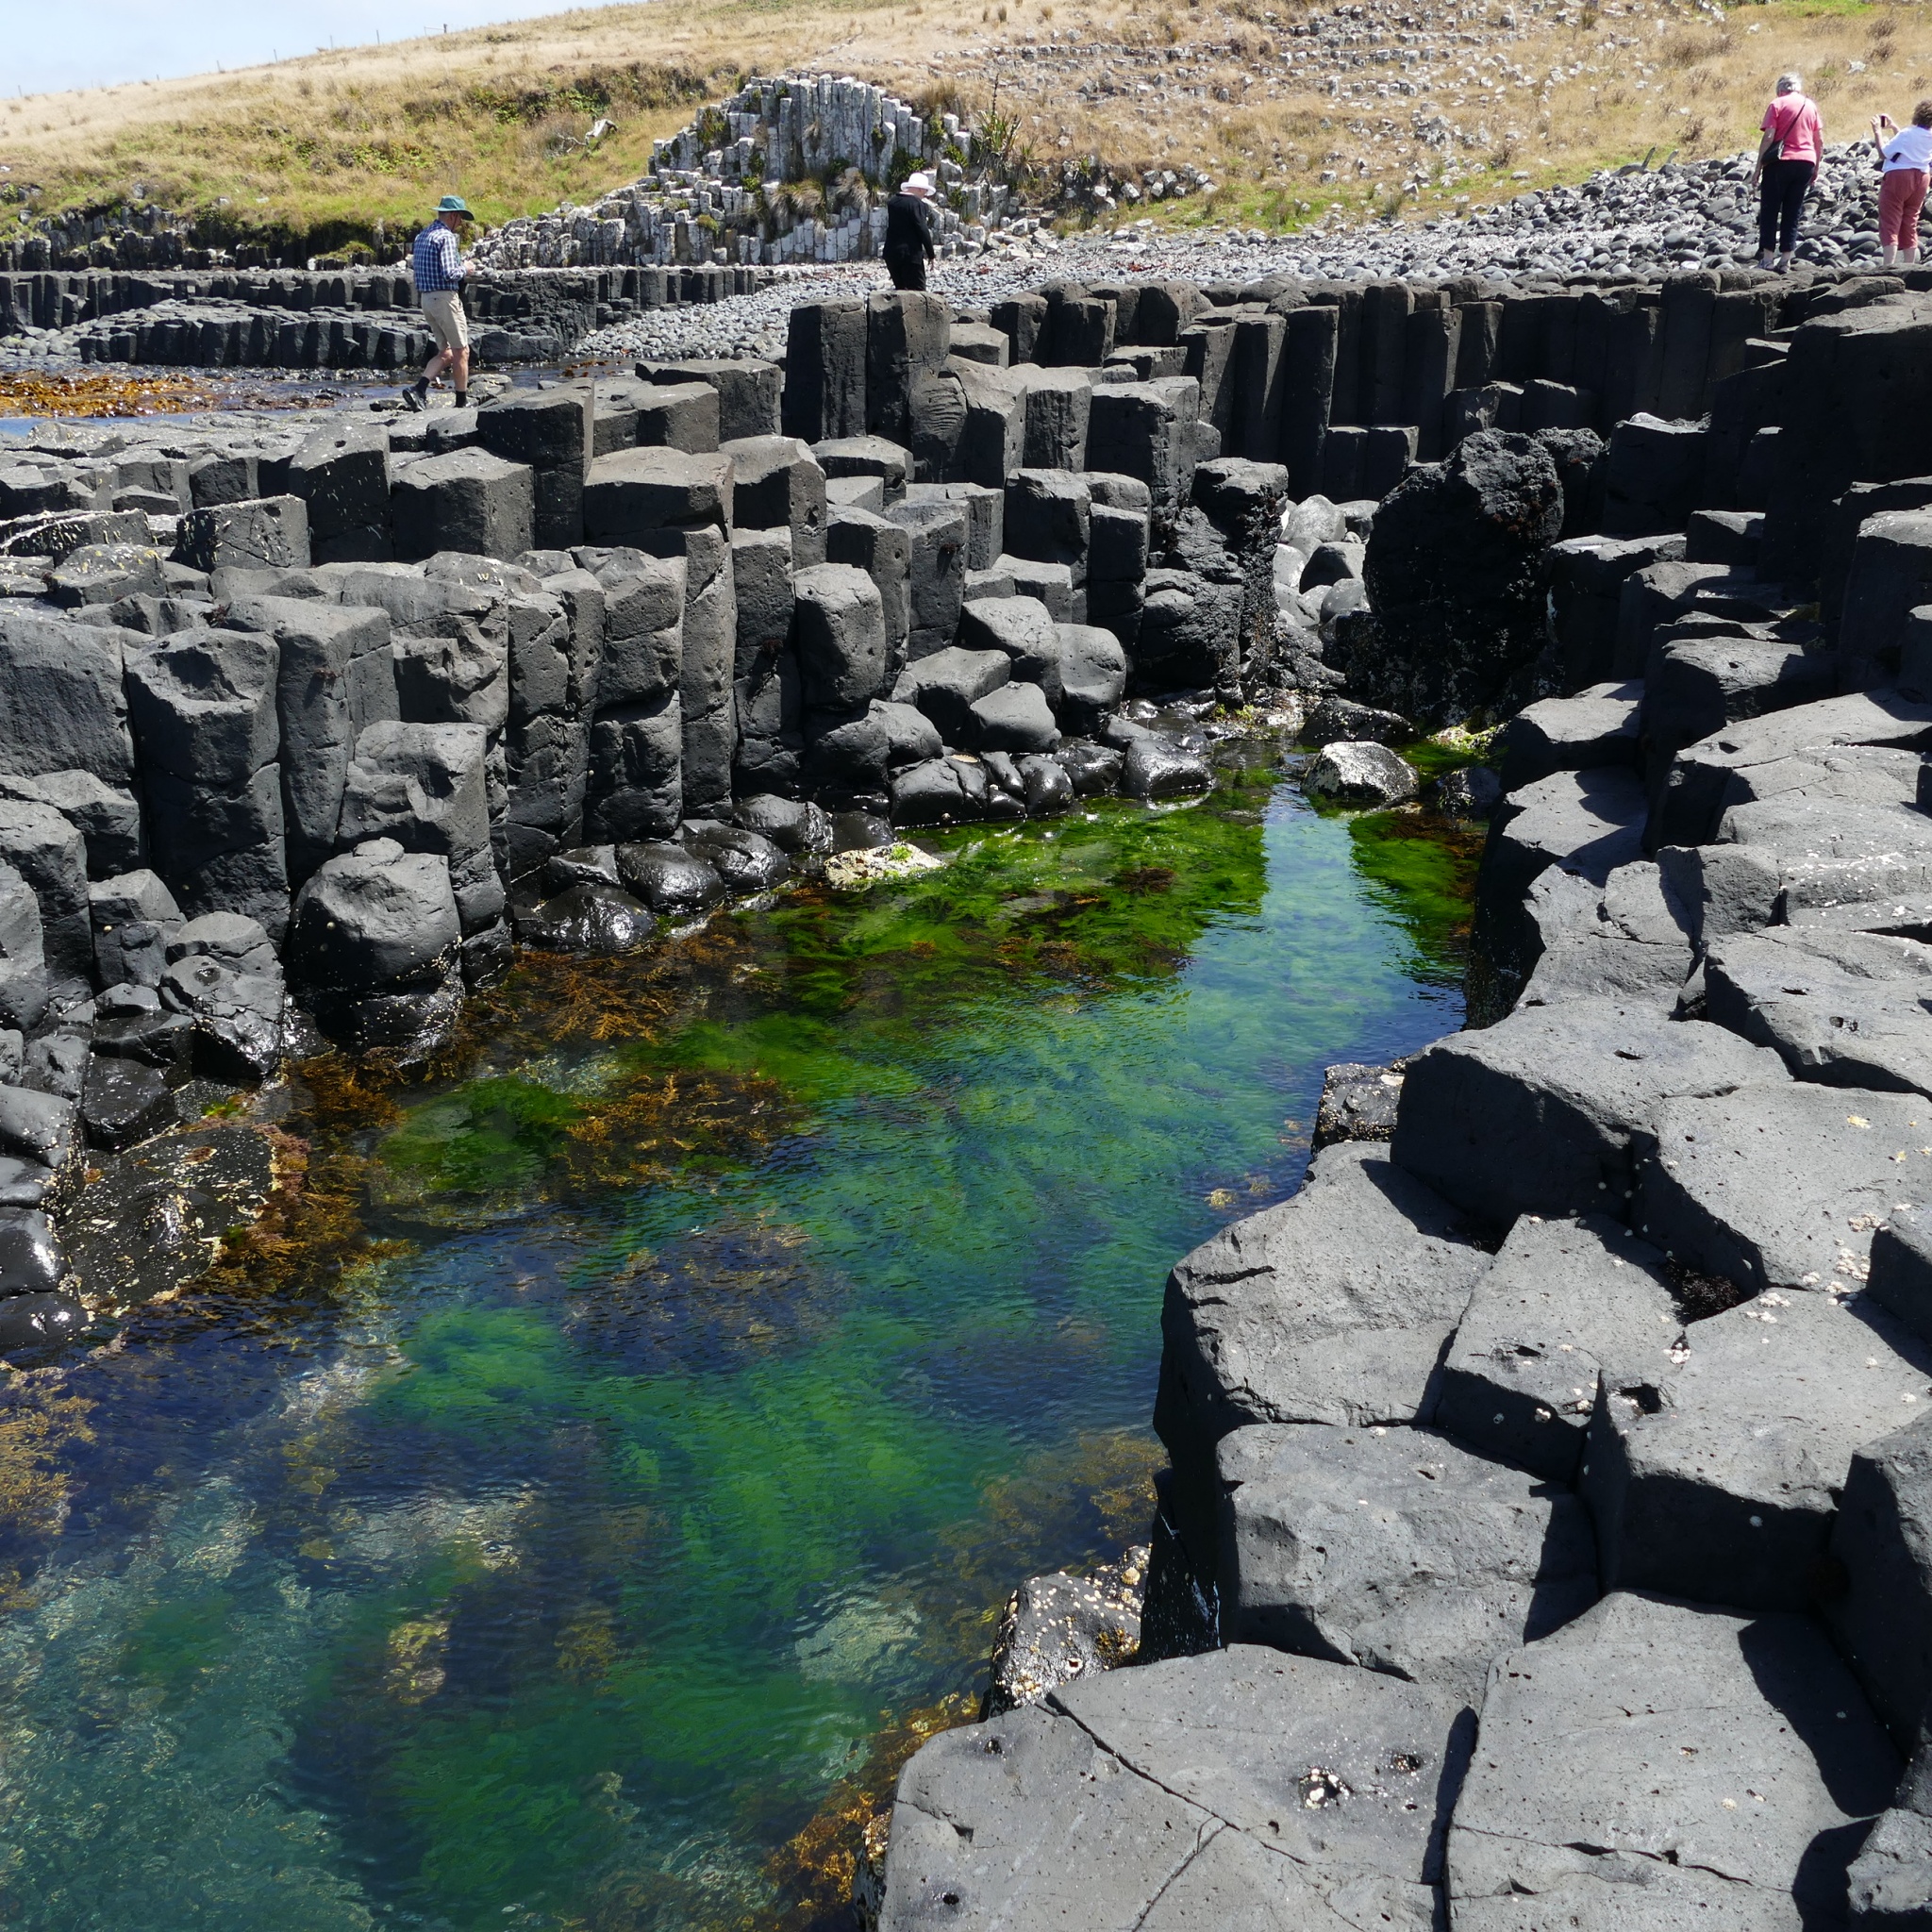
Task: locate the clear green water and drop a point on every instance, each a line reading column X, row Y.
column 764, row 1313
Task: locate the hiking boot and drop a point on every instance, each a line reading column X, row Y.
column 416, row 398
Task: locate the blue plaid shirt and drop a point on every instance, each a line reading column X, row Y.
column 435, row 259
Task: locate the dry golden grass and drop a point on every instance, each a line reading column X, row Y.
column 330, row 145
column 1703, row 86
column 1707, row 83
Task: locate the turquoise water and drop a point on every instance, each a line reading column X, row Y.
column 745, row 1321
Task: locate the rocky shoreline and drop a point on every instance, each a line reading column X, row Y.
column 1541, row 1538
column 596, row 300
column 1543, row 1542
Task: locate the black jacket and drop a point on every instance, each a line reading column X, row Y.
column 906, row 224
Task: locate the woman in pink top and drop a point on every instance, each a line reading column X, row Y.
column 1788, row 159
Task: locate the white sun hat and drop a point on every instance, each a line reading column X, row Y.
column 920, row 183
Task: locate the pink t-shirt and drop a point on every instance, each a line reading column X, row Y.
column 1794, row 120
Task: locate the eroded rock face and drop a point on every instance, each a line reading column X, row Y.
column 1454, row 571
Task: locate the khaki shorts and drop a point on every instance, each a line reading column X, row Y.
column 447, row 322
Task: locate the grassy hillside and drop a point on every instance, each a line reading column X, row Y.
column 336, row 143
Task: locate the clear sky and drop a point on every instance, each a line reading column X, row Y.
column 50, row 45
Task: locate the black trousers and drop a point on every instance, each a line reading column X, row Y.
column 1781, row 201
column 907, row 267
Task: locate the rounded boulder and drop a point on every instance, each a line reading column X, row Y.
column 1357, row 771
column 375, row 917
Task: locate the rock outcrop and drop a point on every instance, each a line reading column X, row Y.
column 1583, row 1383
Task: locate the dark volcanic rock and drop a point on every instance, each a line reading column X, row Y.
column 1093, row 770
column 792, row 825
column 1551, row 1110
column 1472, row 792
column 1332, row 1307
column 124, row 1101
column 1156, row 768
column 1059, row 1628
column 1358, row 1103
column 590, row 917
column 1567, row 1301
column 1239, row 1788
column 746, row 862
column 146, row 1220
column 669, row 880
column 1455, row 578
column 1656, row 1765
column 1892, row 1877
column 1359, row 773
column 1714, row 1469
column 33, row 1326
column 30, row 1257
column 1395, row 1549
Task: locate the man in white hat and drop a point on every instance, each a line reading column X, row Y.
column 909, row 240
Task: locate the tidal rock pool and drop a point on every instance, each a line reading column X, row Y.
column 610, row 1456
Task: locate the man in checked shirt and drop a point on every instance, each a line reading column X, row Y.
column 438, row 265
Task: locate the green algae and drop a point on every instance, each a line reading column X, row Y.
column 1426, row 868
column 1454, row 750
column 778, row 1301
column 1106, row 903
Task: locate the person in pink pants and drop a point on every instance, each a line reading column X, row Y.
column 1907, row 156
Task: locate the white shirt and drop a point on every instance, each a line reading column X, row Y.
column 1910, row 147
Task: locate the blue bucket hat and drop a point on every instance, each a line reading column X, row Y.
column 452, row 205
